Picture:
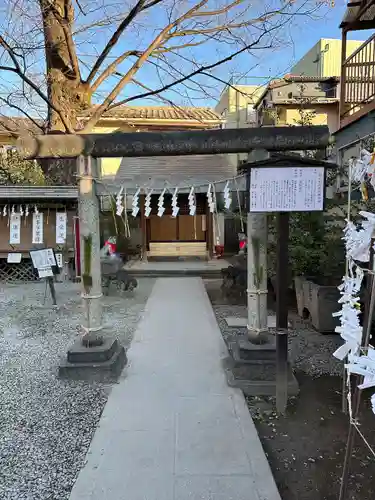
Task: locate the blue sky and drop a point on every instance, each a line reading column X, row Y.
column 259, row 66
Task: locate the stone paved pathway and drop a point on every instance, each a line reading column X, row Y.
column 172, row 429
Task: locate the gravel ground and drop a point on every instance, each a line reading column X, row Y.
column 306, row 448
column 309, row 351
column 46, row 424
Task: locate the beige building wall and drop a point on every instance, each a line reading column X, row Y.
column 324, row 59
column 323, row 115
column 234, row 106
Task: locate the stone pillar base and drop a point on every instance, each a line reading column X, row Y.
column 102, row 362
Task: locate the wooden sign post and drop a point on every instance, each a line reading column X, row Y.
column 44, row 261
column 284, row 189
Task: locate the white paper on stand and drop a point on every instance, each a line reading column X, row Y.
column 45, row 272
column 61, row 222
column 15, row 229
column 14, row 258
column 37, row 228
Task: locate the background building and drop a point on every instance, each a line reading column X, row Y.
column 324, row 59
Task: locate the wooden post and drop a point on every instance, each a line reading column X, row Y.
column 343, row 76
column 282, row 274
column 282, row 278
column 52, row 289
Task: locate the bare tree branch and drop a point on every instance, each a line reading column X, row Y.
column 198, row 71
column 163, row 35
column 139, row 7
column 110, row 70
column 20, row 73
column 18, row 108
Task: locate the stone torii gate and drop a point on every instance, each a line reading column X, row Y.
column 97, row 352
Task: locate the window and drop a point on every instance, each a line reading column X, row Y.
column 251, row 115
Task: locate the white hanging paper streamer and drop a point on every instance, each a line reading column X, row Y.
column 27, row 212
column 148, row 203
column 227, row 196
column 119, row 203
column 175, row 207
column 36, row 211
column 15, row 229
column 21, row 212
column 210, row 200
column 61, row 223
column 5, row 211
column 13, row 210
column 363, row 167
column 357, row 244
column 135, row 203
column 161, row 208
column 358, row 241
column 37, row 228
column 350, row 328
column 363, row 365
column 192, row 205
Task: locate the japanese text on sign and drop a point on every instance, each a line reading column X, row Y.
column 37, row 229
column 61, row 220
column 289, row 189
column 43, row 259
column 15, row 229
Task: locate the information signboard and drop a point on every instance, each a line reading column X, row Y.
column 287, row 189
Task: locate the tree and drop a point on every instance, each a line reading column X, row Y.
column 178, row 41
column 15, row 170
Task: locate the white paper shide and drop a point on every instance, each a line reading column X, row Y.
column 37, row 228
column 61, row 223
column 15, row 229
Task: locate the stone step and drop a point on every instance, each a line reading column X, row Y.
column 257, row 379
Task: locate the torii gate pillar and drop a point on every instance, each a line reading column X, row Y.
column 105, row 357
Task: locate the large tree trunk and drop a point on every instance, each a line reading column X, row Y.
column 67, row 93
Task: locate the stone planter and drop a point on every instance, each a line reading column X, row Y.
column 318, row 302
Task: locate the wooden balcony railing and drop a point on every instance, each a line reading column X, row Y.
column 358, row 80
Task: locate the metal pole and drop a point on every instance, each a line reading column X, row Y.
column 88, row 209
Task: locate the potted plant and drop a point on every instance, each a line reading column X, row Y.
column 318, row 264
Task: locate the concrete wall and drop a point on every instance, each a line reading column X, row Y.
column 233, row 106
column 347, row 140
column 288, row 114
column 326, row 63
column 323, row 115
